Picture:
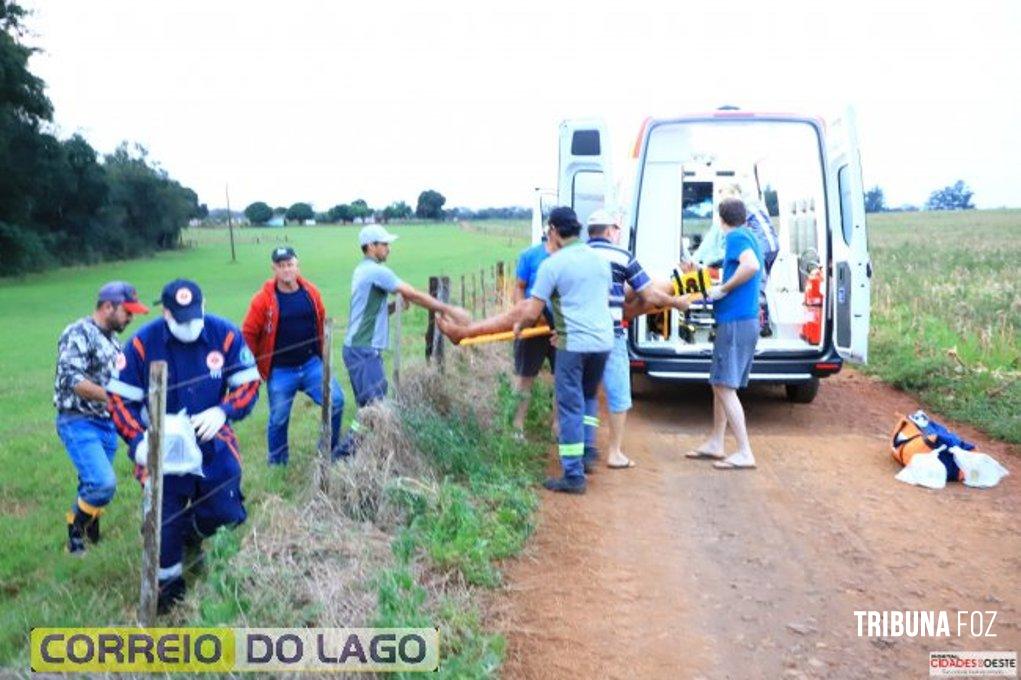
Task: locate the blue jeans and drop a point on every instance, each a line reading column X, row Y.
column 91, row 444
column 283, row 384
column 576, row 383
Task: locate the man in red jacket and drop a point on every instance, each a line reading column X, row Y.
column 284, row 327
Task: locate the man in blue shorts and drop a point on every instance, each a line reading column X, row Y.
column 367, row 326
column 575, row 282
column 604, row 235
column 736, row 309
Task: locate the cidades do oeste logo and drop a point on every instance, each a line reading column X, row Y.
column 203, row 650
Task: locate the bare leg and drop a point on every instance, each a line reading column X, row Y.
column 735, row 416
column 714, row 444
column 524, row 390
column 615, row 456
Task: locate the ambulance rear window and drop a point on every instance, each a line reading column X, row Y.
column 585, row 143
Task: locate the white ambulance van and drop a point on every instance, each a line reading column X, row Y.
column 802, row 171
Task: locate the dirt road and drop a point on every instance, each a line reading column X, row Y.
column 673, row 569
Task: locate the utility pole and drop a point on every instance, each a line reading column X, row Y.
column 230, row 225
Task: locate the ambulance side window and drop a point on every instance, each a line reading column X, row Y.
column 846, row 219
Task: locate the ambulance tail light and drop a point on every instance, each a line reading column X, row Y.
column 824, row 368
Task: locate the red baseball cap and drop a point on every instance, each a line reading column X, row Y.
column 122, row 293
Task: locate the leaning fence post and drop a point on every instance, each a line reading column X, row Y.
column 326, row 414
column 463, row 301
column 398, row 337
column 152, row 499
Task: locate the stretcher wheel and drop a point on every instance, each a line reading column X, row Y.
column 802, row 392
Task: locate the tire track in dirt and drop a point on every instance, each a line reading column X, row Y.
column 673, row 569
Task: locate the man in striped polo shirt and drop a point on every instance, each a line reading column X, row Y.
column 604, row 235
column 367, row 327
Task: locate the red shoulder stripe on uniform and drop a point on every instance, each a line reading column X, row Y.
column 120, row 412
column 139, row 347
column 228, row 341
column 229, row 441
column 244, row 394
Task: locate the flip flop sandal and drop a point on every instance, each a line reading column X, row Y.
column 629, row 464
column 696, row 454
column 727, row 465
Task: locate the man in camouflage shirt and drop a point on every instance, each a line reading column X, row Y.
column 88, row 356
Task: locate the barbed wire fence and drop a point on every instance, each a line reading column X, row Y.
column 490, row 291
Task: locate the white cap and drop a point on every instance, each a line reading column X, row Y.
column 602, row 218
column 375, row 233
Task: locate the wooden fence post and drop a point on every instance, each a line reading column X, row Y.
column 463, row 301
column 430, row 329
column 326, row 413
column 482, row 285
column 398, row 339
column 152, row 498
column 501, row 285
column 443, row 295
column 475, row 297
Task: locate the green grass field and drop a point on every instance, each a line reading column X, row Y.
column 946, row 311
column 39, row 584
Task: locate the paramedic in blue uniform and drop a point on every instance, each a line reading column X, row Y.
column 211, row 375
column 372, row 282
column 575, row 282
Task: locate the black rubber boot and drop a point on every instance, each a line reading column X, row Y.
column 76, row 533
column 574, row 485
column 589, row 459
column 171, row 592
column 92, row 529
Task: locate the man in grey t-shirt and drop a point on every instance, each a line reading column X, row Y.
column 367, row 332
column 575, row 282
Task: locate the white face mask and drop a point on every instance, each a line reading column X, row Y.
column 188, row 331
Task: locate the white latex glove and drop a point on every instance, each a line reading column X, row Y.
column 208, row 423
column 142, row 451
column 716, row 293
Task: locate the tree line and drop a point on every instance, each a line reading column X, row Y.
column 956, row 196
column 429, row 207
column 60, row 201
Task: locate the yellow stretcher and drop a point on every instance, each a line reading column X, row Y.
column 535, row 332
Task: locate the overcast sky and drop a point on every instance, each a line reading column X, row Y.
column 328, row 101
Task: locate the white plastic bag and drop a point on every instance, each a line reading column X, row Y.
column 181, row 452
column 980, row 469
column 925, row 469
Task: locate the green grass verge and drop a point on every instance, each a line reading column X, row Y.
column 481, row 513
column 946, row 310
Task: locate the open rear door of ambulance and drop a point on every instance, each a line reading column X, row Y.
column 585, row 180
column 852, row 267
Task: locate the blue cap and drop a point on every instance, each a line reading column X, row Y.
column 122, row 293
column 184, row 300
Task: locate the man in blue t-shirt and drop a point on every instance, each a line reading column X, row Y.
column 529, row 353
column 736, row 309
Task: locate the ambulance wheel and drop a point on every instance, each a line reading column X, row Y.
column 802, row 393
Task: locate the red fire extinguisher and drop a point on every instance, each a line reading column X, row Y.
column 811, row 331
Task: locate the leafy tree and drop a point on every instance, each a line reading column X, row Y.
column 299, row 212
column 202, row 212
column 259, row 213
column 398, row 210
column 957, row 196
column 360, row 209
column 874, row 200
column 341, row 213
column 430, row 205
